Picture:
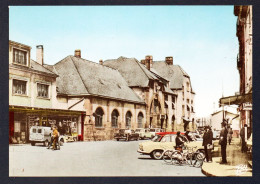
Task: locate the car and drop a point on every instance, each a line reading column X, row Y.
column 144, row 133
column 153, row 131
column 163, row 141
column 42, row 134
column 127, row 135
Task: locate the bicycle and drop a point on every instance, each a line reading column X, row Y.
column 195, row 158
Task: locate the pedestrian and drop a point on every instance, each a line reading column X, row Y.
column 230, row 133
column 243, row 136
column 179, row 141
column 223, row 142
column 207, row 143
column 51, row 142
column 55, row 134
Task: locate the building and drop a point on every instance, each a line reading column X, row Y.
column 180, row 84
column 151, row 88
column 232, row 119
column 102, row 93
column 162, row 83
column 32, row 95
column 244, row 65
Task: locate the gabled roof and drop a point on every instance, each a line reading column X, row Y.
column 132, row 70
column 78, row 76
column 35, row 67
column 174, row 73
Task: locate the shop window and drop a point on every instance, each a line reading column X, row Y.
column 140, row 120
column 19, row 87
column 128, row 119
column 42, row 90
column 99, row 117
column 114, row 118
column 19, row 57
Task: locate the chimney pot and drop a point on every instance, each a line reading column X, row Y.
column 101, row 62
column 149, row 61
column 77, row 53
column 143, row 61
column 39, row 54
column 169, row 60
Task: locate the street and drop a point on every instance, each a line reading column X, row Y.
column 103, row 158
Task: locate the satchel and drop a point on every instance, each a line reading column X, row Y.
column 210, row 146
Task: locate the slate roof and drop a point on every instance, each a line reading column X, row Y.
column 135, row 73
column 78, row 76
column 174, row 73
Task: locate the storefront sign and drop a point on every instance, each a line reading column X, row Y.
column 247, row 106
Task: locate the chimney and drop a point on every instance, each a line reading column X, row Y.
column 39, row 54
column 101, row 62
column 169, row 60
column 149, row 62
column 77, row 53
column 143, row 61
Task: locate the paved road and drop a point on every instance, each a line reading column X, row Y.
column 104, row 158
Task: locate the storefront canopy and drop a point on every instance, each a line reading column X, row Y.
column 236, row 100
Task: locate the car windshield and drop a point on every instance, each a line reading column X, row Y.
column 138, row 130
column 152, row 130
column 156, row 138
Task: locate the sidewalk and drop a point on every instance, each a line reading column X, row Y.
column 237, row 162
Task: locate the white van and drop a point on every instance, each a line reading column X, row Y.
column 41, row 134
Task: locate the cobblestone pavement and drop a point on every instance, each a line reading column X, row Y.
column 103, row 158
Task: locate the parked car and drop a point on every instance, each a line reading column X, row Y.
column 163, row 141
column 153, row 131
column 42, row 134
column 127, row 135
column 144, row 133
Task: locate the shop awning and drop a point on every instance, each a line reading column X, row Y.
column 236, row 100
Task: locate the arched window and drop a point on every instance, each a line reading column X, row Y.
column 140, row 120
column 128, row 119
column 114, row 118
column 99, row 117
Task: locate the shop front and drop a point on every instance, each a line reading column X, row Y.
column 21, row 119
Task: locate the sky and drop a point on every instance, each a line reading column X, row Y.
column 201, row 39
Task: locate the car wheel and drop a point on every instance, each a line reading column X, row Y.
column 33, row 143
column 157, row 154
column 117, row 139
column 46, row 143
column 61, row 142
column 144, row 137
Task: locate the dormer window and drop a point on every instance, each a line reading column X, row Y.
column 19, row 57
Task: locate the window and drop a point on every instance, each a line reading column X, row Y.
column 99, row 117
column 43, row 90
column 19, row 57
column 166, row 97
column 128, row 119
column 19, row 87
column 39, row 131
column 34, row 130
column 114, row 118
column 166, row 138
column 188, row 86
column 140, row 120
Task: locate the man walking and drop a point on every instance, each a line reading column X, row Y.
column 207, row 143
column 243, row 136
column 223, row 142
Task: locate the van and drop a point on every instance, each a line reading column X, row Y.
column 41, row 134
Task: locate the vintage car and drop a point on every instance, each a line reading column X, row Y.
column 163, row 141
column 144, row 133
column 127, row 135
column 42, row 134
column 153, row 131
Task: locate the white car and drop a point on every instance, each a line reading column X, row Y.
column 153, row 131
column 42, row 134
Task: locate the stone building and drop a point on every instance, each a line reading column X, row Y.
column 32, row 94
column 151, row 87
column 180, row 84
column 102, row 93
